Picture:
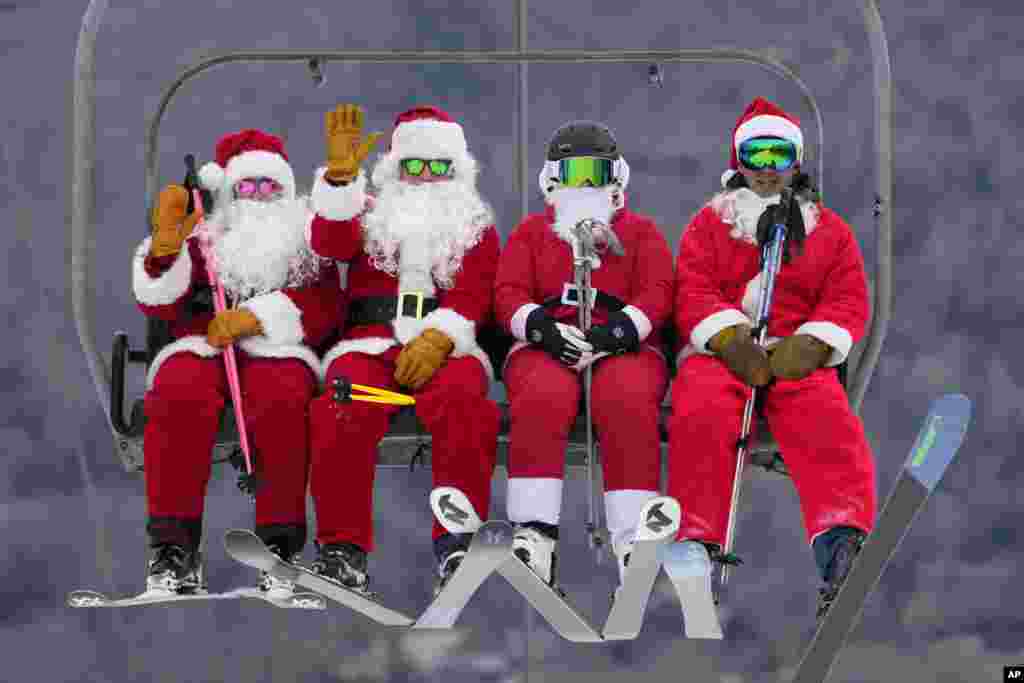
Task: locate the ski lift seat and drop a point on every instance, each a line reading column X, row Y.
column 405, row 437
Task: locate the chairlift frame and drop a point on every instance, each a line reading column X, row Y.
column 108, row 378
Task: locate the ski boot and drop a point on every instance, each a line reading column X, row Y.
column 175, row 569
column 450, row 550
column 343, row 563
column 271, row 585
column 534, row 543
column 835, row 551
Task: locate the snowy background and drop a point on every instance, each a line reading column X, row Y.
column 944, row 610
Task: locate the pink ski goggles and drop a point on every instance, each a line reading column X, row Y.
column 258, row 188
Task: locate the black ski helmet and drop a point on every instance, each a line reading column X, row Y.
column 583, row 139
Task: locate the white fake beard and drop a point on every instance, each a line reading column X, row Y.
column 432, row 224
column 261, row 247
column 574, row 204
column 747, row 209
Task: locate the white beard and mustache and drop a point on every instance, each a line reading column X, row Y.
column 260, row 247
column 428, row 227
column 575, row 204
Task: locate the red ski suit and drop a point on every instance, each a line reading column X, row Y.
column 627, row 390
column 823, row 293
column 453, row 404
column 188, row 389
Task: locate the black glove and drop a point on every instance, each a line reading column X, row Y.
column 564, row 343
column 618, row 335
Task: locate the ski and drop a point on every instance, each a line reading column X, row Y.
column 936, row 446
column 691, row 576
column 89, row 598
column 549, row 602
column 304, row 600
column 456, row 514
column 491, row 545
column 247, row 548
column 659, row 522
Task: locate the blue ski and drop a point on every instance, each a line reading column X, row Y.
column 936, row 446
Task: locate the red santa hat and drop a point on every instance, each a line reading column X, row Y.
column 248, row 153
column 427, row 132
column 763, row 118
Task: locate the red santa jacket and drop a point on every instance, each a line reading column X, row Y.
column 337, row 233
column 536, row 264
column 294, row 319
column 821, row 292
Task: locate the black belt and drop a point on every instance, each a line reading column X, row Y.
column 375, row 310
column 570, row 297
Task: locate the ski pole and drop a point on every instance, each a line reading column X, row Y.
column 771, row 261
column 583, row 263
column 249, row 482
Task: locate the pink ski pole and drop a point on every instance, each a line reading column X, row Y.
column 249, row 482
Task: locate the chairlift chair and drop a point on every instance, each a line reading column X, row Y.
column 127, row 428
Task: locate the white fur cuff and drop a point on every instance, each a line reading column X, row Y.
column 338, row 203
column 640, row 319
column 518, row 323
column 713, row 324
column 462, row 331
column 534, row 499
column 279, row 317
column 167, row 288
column 839, row 339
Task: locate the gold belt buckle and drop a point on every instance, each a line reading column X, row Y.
column 418, row 296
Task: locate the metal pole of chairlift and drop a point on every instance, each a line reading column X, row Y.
column 882, row 309
column 82, row 204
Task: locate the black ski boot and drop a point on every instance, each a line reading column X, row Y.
column 835, row 551
column 449, row 549
column 175, row 563
column 343, row 563
column 174, row 568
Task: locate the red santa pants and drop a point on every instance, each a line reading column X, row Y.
column 821, row 440
column 452, row 405
column 184, row 408
column 625, row 398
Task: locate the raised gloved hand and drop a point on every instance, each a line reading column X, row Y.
column 172, row 223
column 422, row 357
column 345, row 149
column 564, row 343
column 227, row 326
column 743, row 355
column 797, row 356
column 618, row 335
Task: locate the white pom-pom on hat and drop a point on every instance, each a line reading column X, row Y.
column 211, row 176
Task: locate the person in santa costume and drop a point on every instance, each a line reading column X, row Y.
column 584, row 178
column 421, row 257
column 283, row 302
column 819, row 310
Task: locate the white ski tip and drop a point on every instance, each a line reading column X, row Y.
column 453, row 510
column 659, row 519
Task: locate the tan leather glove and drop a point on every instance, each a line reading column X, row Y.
column 742, row 354
column 797, row 356
column 421, row 358
column 345, row 152
column 227, row 326
column 171, row 223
